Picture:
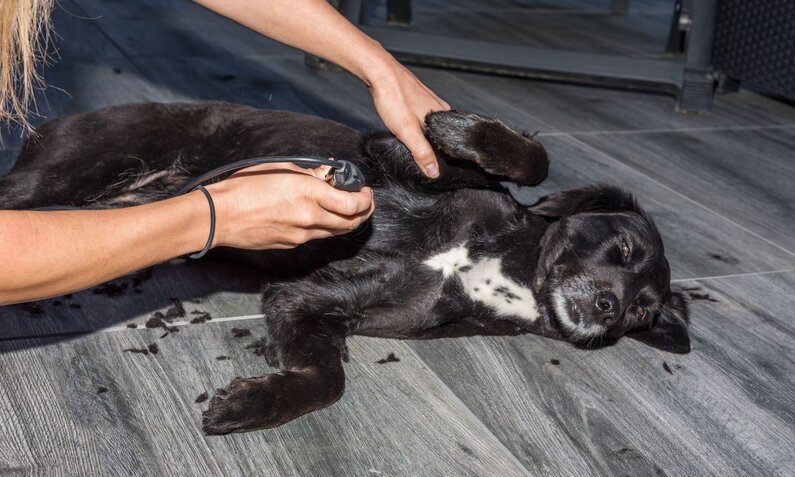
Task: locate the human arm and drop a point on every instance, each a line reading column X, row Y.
column 314, row 26
column 45, row 254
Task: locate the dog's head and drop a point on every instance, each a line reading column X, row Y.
column 603, row 271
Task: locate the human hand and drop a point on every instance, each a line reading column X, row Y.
column 280, row 206
column 402, row 101
column 316, row 27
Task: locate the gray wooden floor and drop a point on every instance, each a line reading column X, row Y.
column 720, row 187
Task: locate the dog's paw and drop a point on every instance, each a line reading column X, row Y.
column 489, row 143
column 272, row 400
column 248, row 405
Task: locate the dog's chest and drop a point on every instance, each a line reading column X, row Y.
column 483, row 281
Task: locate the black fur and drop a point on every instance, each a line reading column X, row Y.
column 569, row 249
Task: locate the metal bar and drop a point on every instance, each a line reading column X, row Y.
column 702, row 32
column 525, row 61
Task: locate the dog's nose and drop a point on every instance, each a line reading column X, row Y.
column 605, row 308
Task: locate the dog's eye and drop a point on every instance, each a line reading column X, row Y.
column 641, row 312
column 625, row 251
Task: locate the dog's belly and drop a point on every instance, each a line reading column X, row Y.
column 483, row 281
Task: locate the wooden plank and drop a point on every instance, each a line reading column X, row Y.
column 222, row 290
column 583, row 32
column 747, row 176
column 85, row 86
column 583, row 110
column 723, row 409
column 78, row 37
column 395, row 418
column 177, row 29
column 568, row 25
column 77, row 86
column 338, row 96
column 283, row 83
column 698, row 242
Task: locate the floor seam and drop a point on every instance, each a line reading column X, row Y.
column 125, row 327
column 733, row 275
column 753, row 127
column 544, row 11
column 471, row 413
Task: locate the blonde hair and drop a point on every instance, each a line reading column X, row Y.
column 24, row 39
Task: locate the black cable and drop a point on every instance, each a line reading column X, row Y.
column 307, row 162
column 347, row 176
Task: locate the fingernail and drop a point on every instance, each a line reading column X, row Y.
column 432, row 170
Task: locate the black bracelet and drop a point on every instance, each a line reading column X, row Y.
column 212, row 224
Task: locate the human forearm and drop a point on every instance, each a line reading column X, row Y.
column 271, row 206
column 45, row 254
column 313, row 26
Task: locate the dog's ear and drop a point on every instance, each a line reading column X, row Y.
column 597, row 197
column 487, row 142
column 669, row 330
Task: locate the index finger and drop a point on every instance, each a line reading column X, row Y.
column 420, row 148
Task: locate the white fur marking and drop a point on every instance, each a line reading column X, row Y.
column 448, row 262
column 562, row 312
column 483, row 281
column 577, row 330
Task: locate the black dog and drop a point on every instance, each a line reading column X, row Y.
column 439, row 258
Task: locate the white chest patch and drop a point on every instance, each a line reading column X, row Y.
column 484, row 282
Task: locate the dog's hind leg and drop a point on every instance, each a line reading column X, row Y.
column 37, row 181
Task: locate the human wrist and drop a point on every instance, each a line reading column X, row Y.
column 376, row 66
column 193, row 225
column 220, row 194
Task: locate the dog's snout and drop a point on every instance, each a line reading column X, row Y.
column 606, row 308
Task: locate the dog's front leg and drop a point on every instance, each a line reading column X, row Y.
column 487, row 144
column 473, row 151
column 309, row 348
